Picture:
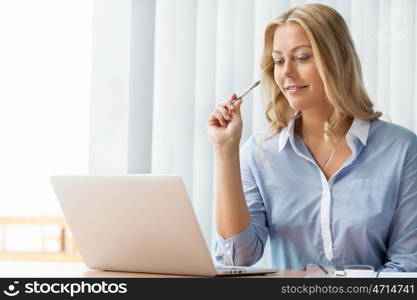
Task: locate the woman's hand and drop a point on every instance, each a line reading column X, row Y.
column 225, row 124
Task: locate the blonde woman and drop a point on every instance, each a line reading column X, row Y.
column 330, row 183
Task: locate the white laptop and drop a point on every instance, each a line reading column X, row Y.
column 137, row 223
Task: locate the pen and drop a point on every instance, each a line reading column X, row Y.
column 323, row 269
column 247, row 91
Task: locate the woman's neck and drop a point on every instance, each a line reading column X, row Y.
column 312, row 124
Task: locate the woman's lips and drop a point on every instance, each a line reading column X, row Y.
column 292, row 89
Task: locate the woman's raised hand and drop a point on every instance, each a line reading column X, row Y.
column 225, row 124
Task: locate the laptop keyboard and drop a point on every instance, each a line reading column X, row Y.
column 231, row 268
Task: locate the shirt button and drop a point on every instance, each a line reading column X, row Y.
column 227, row 245
column 229, row 252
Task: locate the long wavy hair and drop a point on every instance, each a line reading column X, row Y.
column 337, row 63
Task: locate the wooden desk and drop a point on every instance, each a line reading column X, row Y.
column 17, row 269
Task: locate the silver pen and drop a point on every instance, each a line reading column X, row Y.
column 247, row 91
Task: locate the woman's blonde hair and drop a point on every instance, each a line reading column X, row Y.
column 336, row 61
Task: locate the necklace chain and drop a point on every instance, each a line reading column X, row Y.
column 329, row 159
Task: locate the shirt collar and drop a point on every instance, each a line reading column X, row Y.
column 359, row 128
column 287, row 132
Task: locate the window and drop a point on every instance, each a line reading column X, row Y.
column 45, row 70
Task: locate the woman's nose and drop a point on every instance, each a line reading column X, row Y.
column 288, row 70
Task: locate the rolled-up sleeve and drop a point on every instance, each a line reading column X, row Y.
column 402, row 243
column 246, row 247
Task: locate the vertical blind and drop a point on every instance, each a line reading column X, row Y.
column 160, row 67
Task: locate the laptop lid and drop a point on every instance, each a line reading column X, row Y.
column 135, row 222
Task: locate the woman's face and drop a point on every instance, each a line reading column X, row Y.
column 295, row 71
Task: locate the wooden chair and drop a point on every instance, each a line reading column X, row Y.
column 68, row 251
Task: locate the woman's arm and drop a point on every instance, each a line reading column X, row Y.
column 242, row 233
column 232, row 215
column 402, row 242
column 225, row 131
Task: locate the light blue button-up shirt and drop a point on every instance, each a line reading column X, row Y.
column 366, row 213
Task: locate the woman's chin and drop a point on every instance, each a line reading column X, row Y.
column 298, row 104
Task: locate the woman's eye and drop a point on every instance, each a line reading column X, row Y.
column 303, row 57
column 300, row 58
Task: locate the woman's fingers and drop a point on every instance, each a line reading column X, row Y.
column 219, row 116
column 223, row 113
column 229, row 102
column 222, row 108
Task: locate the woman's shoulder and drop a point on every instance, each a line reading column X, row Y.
column 260, row 139
column 257, row 147
column 383, row 130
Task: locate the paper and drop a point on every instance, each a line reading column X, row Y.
column 367, row 274
column 397, row 274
